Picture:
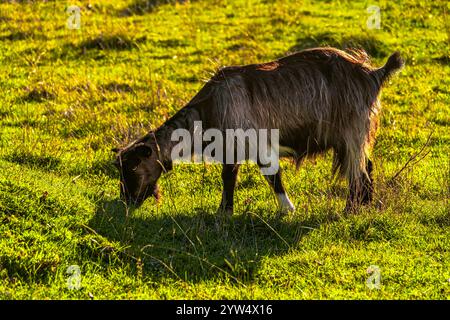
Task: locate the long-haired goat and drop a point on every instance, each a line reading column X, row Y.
column 319, row 99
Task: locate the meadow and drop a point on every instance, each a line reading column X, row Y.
column 68, row 96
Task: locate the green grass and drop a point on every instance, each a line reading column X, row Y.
column 69, row 96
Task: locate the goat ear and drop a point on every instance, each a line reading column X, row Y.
column 143, row 150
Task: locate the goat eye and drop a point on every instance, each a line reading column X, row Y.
column 135, row 168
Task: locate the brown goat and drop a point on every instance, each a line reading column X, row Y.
column 319, row 99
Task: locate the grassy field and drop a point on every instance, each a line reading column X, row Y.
column 69, row 96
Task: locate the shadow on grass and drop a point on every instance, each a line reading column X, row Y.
column 22, row 35
column 117, row 42
column 197, row 246
column 95, row 47
column 44, row 162
column 39, row 94
column 98, row 47
column 141, row 7
column 444, row 60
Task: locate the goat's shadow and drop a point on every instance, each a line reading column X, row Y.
column 200, row 245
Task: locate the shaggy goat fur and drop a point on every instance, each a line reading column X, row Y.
column 319, row 99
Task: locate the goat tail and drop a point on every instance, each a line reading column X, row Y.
column 394, row 63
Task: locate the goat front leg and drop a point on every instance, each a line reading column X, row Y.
column 229, row 176
column 276, row 184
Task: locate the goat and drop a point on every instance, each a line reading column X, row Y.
column 319, row 99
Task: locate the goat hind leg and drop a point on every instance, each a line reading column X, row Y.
column 367, row 184
column 361, row 188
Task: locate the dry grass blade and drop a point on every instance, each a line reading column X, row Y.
column 414, row 159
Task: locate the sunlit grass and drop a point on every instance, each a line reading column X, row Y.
column 69, row 96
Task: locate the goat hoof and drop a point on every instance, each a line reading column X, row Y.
column 286, row 210
column 226, row 212
column 351, row 208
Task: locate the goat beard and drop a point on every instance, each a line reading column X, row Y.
column 156, row 193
